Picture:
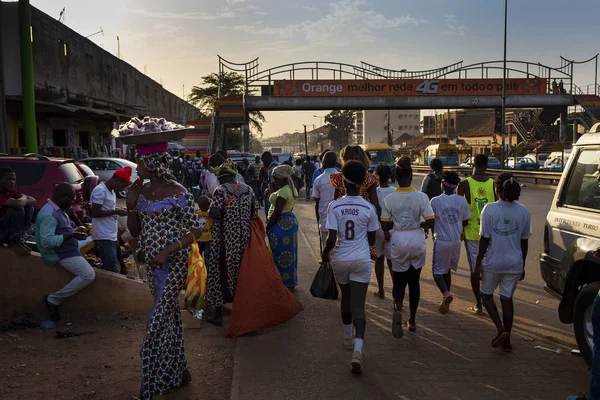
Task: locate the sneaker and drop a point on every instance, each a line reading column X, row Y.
column 357, row 359
column 445, row 306
column 412, row 326
column 349, row 343
column 397, row 330
column 53, row 309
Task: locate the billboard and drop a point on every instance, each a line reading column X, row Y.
column 408, row 87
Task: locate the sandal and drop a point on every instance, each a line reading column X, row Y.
column 377, row 294
column 475, row 310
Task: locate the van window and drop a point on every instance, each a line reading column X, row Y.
column 583, row 188
column 28, row 173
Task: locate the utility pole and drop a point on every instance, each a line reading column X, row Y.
column 27, row 83
column 305, row 140
column 118, row 48
column 503, row 128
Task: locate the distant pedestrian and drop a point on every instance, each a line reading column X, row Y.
column 555, row 87
column 406, row 218
column 316, row 162
column 561, row 87
column 324, row 193
column 451, row 214
column 432, row 184
column 254, row 172
column 505, row 232
column 205, row 240
column 352, row 223
column 308, row 169
column 269, row 164
column 384, row 173
column 478, row 190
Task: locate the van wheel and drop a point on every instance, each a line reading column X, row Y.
column 582, row 324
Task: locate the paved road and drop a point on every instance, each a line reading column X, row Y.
column 449, row 357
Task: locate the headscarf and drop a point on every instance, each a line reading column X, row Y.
column 286, row 172
column 158, row 164
column 226, row 169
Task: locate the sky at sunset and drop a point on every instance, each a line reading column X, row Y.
column 178, row 40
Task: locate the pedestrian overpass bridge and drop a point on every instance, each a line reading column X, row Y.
column 323, row 85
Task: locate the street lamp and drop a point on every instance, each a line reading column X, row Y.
column 305, row 140
column 503, row 128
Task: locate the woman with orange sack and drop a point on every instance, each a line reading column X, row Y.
column 233, row 208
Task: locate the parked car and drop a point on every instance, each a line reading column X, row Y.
column 522, row 163
column 493, row 162
column 556, row 165
column 92, row 182
column 571, row 235
column 539, row 158
column 37, row 176
column 105, row 167
column 556, row 155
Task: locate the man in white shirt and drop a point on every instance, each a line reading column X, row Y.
column 451, row 214
column 324, row 193
column 104, row 217
column 352, row 223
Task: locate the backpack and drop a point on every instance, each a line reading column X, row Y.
column 434, row 186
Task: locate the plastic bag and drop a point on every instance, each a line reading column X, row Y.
column 195, row 287
column 323, row 285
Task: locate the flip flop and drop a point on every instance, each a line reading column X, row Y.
column 376, row 294
column 475, row 310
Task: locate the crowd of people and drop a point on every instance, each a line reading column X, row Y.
column 361, row 220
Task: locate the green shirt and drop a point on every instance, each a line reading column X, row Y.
column 285, row 192
column 482, row 193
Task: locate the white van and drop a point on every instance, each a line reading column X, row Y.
column 571, row 234
column 556, row 155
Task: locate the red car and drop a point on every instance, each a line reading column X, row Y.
column 37, row 176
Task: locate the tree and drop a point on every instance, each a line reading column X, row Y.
column 232, row 84
column 340, row 124
column 255, row 145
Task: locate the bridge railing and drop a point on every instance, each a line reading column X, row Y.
column 546, row 177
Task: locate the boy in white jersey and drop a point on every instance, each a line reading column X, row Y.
column 384, row 173
column 451, row 214
column 352, row 222
column 324, row 192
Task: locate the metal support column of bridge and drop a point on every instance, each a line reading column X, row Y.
column 564, row 122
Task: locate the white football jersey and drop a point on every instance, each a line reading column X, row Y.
column 352, row 217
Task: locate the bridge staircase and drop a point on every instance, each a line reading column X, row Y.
column 587, row 112
column 513, row 120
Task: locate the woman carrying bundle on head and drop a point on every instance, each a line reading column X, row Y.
column 282, row 225
column 406, row 217
column 505, row 230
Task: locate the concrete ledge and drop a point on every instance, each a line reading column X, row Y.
column 25, row 280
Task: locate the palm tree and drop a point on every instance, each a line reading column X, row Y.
column 232, row 84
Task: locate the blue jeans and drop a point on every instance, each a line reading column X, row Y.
column 205, row 250
column 308, row 182
column 14, row 224
column 594, row 393
column 107, row 251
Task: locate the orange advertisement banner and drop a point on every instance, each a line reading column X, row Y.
column 408, row 87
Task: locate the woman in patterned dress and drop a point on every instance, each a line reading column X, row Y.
column 282, row 225
column 234, row 207
column 161, row 213
column 368, row 189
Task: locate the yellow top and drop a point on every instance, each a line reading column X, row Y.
column 482, row 193
column 285, row 192
column 206, row 235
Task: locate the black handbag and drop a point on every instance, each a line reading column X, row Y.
column 324, row 285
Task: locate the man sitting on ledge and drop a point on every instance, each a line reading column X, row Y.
column 58, row 244
column 16, row 213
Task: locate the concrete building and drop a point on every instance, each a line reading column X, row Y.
column 373, row 125
column 81, row 90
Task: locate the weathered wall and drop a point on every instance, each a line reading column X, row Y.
column 70, row 68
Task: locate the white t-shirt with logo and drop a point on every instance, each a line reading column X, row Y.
column 505, row 224
column 104, row 228
column 450, row 212
column 405, row 208
column 352, row 217
column 325, row 192
column 383, row 192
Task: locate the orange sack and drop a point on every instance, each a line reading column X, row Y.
column 261, row 299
